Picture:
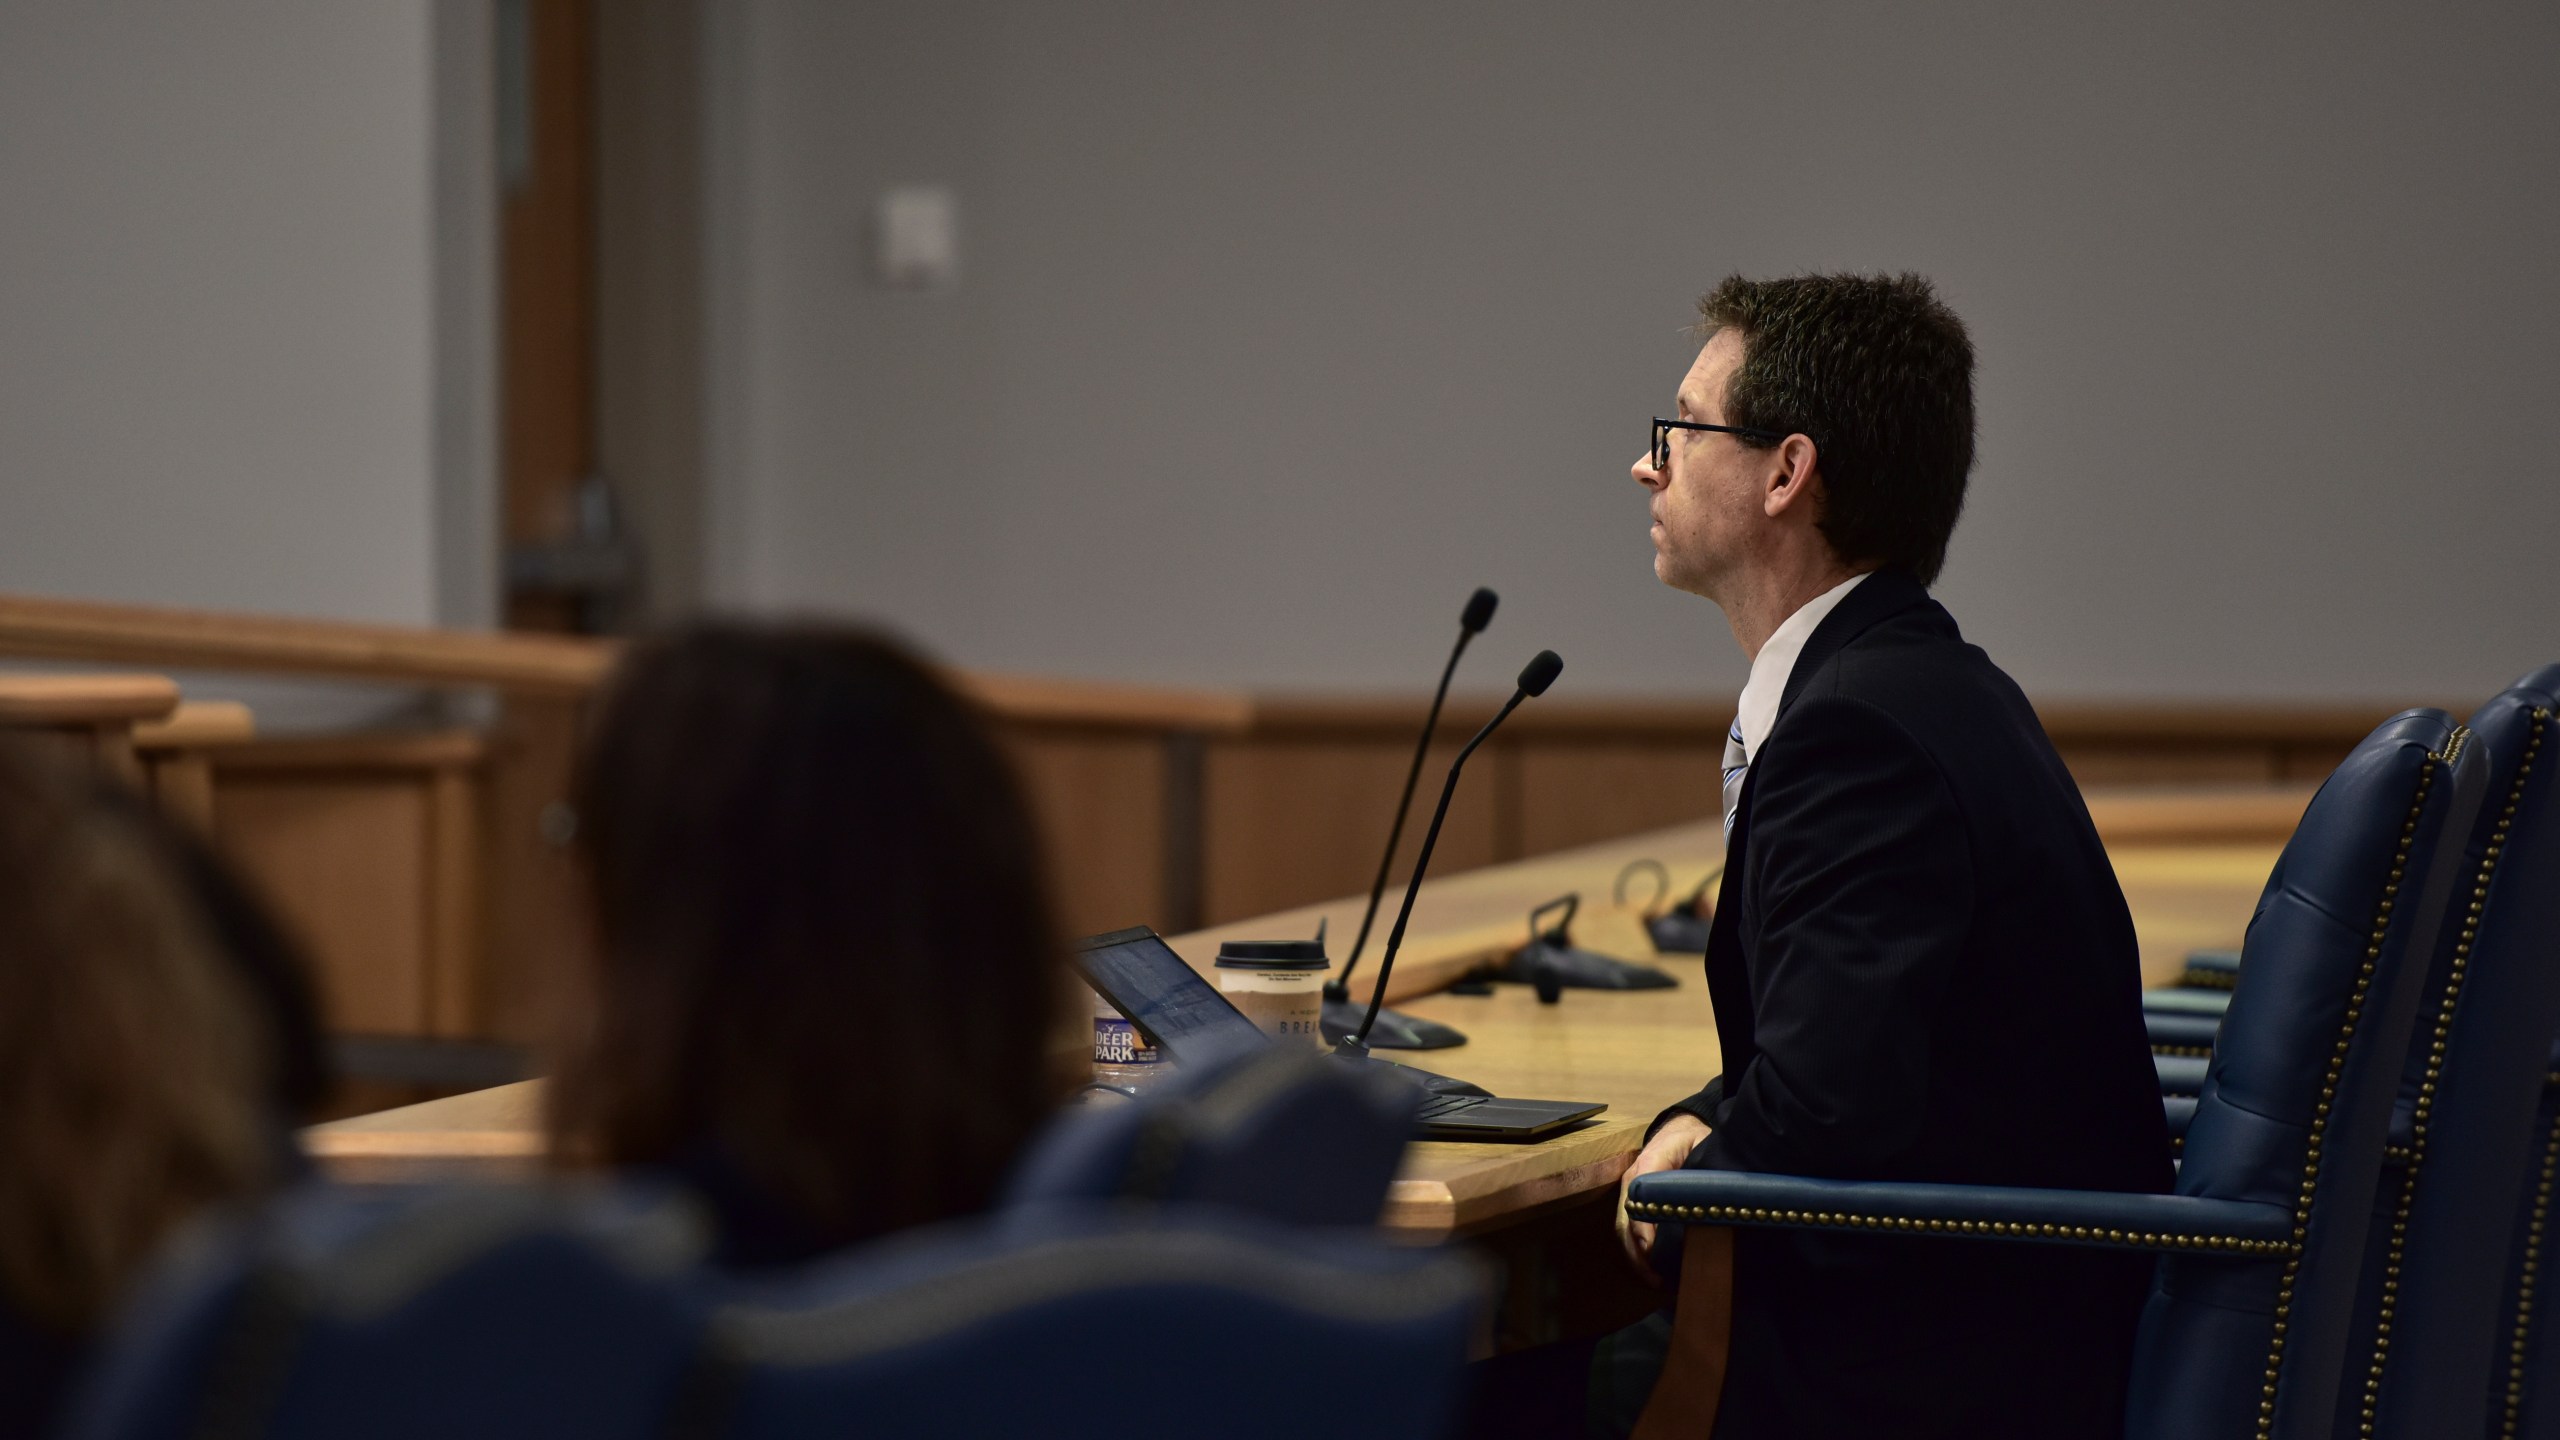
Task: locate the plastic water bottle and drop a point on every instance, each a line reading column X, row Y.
column 1122, row 1058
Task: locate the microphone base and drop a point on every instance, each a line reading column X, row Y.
column 1678, row 933
column 1394, row 1030
column 1572, row 969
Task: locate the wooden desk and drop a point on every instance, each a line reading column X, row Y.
column 2191, row 865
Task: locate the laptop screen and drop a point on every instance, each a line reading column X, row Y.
column 1164, row 997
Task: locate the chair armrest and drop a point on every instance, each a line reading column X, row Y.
column 2102, row 1218
column 2180, row 1112
column 2181, row 1074
column 2211, row 1004
column 2190, row 1035
column 2212, row 969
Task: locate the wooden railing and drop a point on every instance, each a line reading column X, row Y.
column 510, row 662
column 426, row 865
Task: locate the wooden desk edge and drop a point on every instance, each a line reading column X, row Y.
column 1424, row 1209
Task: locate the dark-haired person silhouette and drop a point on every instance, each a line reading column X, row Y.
column 826, row 991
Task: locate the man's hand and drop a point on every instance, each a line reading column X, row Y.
column 1669, row 1146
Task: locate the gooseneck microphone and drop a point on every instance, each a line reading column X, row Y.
column 1471, row 623
column 1535, row 677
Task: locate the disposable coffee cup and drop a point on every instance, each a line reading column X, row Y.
column 1279, row 985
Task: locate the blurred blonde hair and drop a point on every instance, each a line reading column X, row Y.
column 130, row 1086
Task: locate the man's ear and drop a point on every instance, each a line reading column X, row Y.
column 1794, row 476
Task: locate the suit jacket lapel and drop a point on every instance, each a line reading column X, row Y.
column 1883, row 595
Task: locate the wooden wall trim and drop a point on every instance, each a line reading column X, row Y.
column 2258, row 722
column 1373, row 716
column 1637, row 718
column 85, row 699
column 1034, row 701
column 573, row 666
column 547, row 665
column 209, row 640
column 2221, row 815
column 198, row 724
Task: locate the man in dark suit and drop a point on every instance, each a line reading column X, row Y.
column 1921, row 965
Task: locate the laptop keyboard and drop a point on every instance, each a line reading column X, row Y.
column 1440, row 1105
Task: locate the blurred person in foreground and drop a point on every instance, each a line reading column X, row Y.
column 1921, row 964
column 826, row 992
column 158, row 1043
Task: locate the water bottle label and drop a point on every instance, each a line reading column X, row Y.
column 1117, row 1042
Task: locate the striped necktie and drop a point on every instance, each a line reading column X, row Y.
column 1736, row 765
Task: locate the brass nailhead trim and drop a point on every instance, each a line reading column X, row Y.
column 2003, row 1229
column 2329, row 1083
column 2184, row 1052
column 2196, row 977
column 2527, row 1274
column 2416, row 1162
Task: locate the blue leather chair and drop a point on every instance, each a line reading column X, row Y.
column 2463, row 1133
column 2211, row 969
column 2181, row 1033
column 2246, row 1333
column 1284, row 1135
column 489, row 1314
column 1097, row 1321
column 2524, row 1402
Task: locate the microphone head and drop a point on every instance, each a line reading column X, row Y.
column 1479, row 611
column 1540, row 673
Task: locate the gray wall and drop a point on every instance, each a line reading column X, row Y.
column 216, row 302
column 220, row 315
column 1282, row 325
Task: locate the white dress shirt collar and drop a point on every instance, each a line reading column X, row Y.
column 1757, row 711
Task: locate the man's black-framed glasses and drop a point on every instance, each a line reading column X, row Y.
column 1662, row 436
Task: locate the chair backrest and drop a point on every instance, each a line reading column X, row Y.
column 2297, row 1099
column 491, row 1314
column 1094, row 1321
column 1288, row 1136
column 2524, row 1399
column 2437, row 1258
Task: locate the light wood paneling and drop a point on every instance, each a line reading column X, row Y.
column 369, row 850
column 344, row 862
column 2310, row 763
column 536, row 927
column 2215, row 815
column 1034, row 700
column 1288, row 821
column 1100, row 798
column 455, row 942
column 182, row 786
column 1577, row 792
column 2103, row 764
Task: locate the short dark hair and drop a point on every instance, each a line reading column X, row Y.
column 1879, row 372
column 826, row 964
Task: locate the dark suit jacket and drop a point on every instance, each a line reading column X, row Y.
column 1923, row 969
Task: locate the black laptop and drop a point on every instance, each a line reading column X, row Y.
column 1184, row 1015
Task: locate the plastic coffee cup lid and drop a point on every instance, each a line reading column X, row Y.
column 1273, row 955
